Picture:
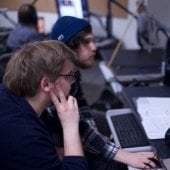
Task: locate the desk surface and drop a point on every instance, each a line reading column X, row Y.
column 129, row 93
column 138, row 65
column 158, row 91
column 134, row 58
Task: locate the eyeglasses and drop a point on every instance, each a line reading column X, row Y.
column 87, row 40
column 72, row 77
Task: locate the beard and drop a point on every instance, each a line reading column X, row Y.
column 85, row 65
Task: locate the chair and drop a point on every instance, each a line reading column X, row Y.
column 4, row 58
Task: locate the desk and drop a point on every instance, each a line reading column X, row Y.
column 130, row 65
column 129, row 93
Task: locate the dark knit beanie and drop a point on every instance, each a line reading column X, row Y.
column 67, row 27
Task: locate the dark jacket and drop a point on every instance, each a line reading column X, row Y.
column 25, row 142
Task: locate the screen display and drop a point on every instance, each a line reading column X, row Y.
column 76, row 8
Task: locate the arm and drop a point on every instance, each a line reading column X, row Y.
column 68, row 114
column 95, row 142
column 69, row 117
column 72, row 143
column 138, row 160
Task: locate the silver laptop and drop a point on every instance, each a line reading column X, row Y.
column 127, row 131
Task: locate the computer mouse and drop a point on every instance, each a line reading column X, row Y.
column 167, row 137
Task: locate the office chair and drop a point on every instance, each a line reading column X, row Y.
column 4, row 58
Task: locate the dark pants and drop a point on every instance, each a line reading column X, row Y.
column 98, row 163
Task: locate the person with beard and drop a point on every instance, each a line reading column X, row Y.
column 101, row 152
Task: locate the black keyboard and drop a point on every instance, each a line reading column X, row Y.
column 129, row 131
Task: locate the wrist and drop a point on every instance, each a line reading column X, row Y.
column 72, row 142
column 70, row 127
column 122, row 156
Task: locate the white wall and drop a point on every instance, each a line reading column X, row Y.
column 120, row 26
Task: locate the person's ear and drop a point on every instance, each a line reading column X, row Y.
column 45, row 84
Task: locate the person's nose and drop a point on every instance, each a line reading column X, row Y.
column 93, row 46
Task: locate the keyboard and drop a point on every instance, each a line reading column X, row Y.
column 129, row 131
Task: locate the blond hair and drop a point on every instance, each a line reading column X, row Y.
column 28, row 65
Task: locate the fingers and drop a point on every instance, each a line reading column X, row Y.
column 57, row 95
column 145, row 160
column 72, row 100
column 149, row 165
column 152, row 162
column 61, row 95
column 54, row 97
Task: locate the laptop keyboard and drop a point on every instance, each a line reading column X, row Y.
column 129, row 131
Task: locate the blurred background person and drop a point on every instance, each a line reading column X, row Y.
column 142, row 25
column 26, row 29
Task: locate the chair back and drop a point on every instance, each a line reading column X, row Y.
column 4, row 58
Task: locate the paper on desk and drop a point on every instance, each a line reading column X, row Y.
column 155, row 115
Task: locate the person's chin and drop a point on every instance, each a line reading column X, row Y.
column 91, row 63
column 88, row 65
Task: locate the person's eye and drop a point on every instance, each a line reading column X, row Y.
column 87, row 41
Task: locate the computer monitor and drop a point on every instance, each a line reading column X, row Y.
column 76, row 8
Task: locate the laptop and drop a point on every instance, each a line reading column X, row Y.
column 127, row 131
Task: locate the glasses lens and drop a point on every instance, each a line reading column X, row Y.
column 74, row 76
